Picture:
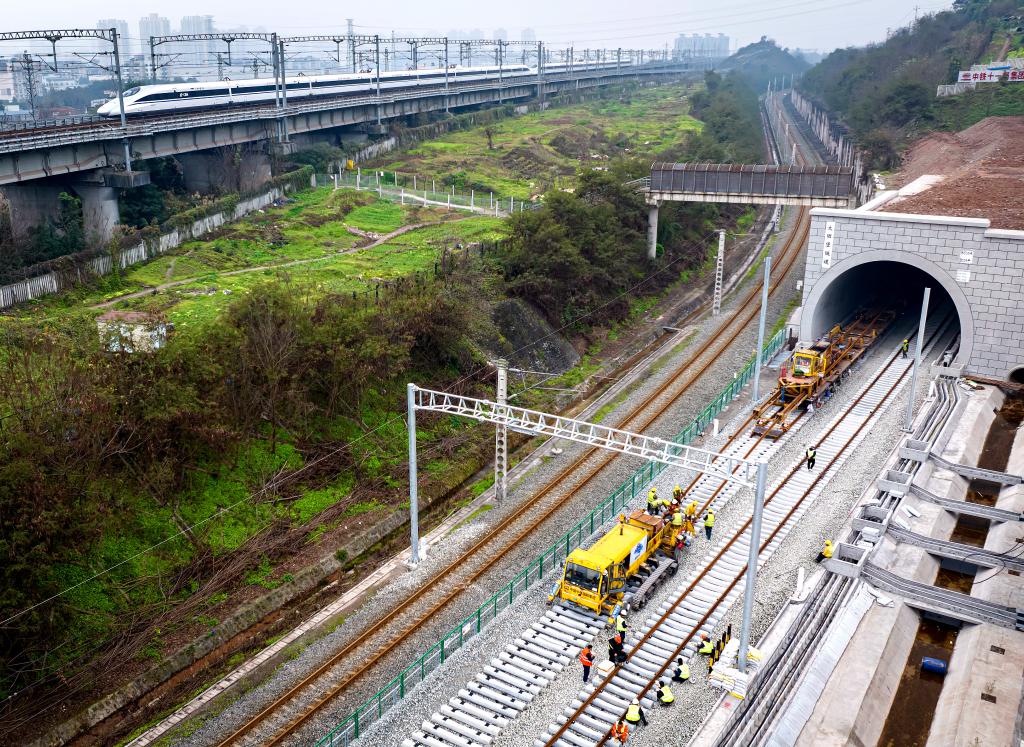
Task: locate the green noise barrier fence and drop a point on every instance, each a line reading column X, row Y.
column 554, row 557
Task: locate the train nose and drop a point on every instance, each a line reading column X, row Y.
column 109, row 109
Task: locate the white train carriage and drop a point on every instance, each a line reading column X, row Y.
column 174, row 97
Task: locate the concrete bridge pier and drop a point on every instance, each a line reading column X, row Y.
column 652, row 229
column 241, row 168
column 31, row 204
column 100, row 211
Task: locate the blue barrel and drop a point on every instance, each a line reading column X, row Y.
column 931, row 664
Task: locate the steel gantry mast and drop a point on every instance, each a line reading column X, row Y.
column 744, row 472
column 109, row 35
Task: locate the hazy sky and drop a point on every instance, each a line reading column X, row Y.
column 810, row 24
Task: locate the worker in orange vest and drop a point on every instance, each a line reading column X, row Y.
column 587, row 660
column 620, row 731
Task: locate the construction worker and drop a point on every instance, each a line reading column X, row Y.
column 682, row 672
column 826, row 551
column 811, row 454
column 665, row 696
column 635, row 714
column 587, row 660
column 653, row 502
column 709, row 522
column 620, row 624
column 905, row 346
column 682, row 544
column 677, row 494
column 691, row 510
column 706, row 647
column 616, row 648
column 620, row 731
column 677, row 517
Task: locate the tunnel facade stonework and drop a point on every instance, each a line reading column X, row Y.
column 981, row 268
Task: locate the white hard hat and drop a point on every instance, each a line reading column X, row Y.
column 636, row 701
column 624, row 613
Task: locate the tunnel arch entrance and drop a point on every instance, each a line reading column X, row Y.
column 886, row 278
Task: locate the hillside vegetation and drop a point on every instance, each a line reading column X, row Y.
column 886, row 92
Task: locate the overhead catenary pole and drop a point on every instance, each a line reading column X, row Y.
column 716, row 303
column 376, row 71
column 755, row 395
column 501, row 435
column 446, row 75
column 755, row 551
column 414, row 518
column 907, row 425
column 284, row 92
column 120, row 101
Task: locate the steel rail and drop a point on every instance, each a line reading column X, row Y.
column 553, row 739
column 790, row 252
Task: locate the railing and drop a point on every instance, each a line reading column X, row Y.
column 406, row 188
column 640, row 185
column 553, row 558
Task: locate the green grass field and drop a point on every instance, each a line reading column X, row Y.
column 536, row 151
column 313, row 229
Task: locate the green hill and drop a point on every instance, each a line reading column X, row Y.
column 762, row 61
column 885, row 93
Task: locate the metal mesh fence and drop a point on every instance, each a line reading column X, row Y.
column 553, row 558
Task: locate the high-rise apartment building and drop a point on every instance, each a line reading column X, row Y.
column 705, row 46
column 126, row 45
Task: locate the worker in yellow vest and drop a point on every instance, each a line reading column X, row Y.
column 653, row 502
column 677, row 518
column 677, row 494
column 706, row 647
column 709, row 522
column 665, row 696
column 682, row 671
column 826, row 551
column 635, row 714
column 620, row 624
column 691, row 510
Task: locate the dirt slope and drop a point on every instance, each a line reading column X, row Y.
column 984, row 170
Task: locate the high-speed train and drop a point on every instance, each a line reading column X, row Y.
column 173, row 97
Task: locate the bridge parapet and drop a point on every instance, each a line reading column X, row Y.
column 808, row 186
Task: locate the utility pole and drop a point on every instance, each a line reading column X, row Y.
column 28, row 67
column 351, row 46
column 716, row 304
column 120, row 100
column 501, row 436
column 220, row 66
column 760, row 328
column 414, row 509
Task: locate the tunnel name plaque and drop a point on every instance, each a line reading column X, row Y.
column 826, row 248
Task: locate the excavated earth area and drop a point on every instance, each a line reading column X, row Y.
column 983, row 168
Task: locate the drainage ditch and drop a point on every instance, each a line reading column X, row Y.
column 910, row 716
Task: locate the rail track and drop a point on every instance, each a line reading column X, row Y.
column 285, row 717
column 709, row 592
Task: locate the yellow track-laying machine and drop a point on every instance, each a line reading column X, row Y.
column 814, row 372
column 623, row 567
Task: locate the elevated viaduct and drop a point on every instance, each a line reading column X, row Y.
column 37, row 164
